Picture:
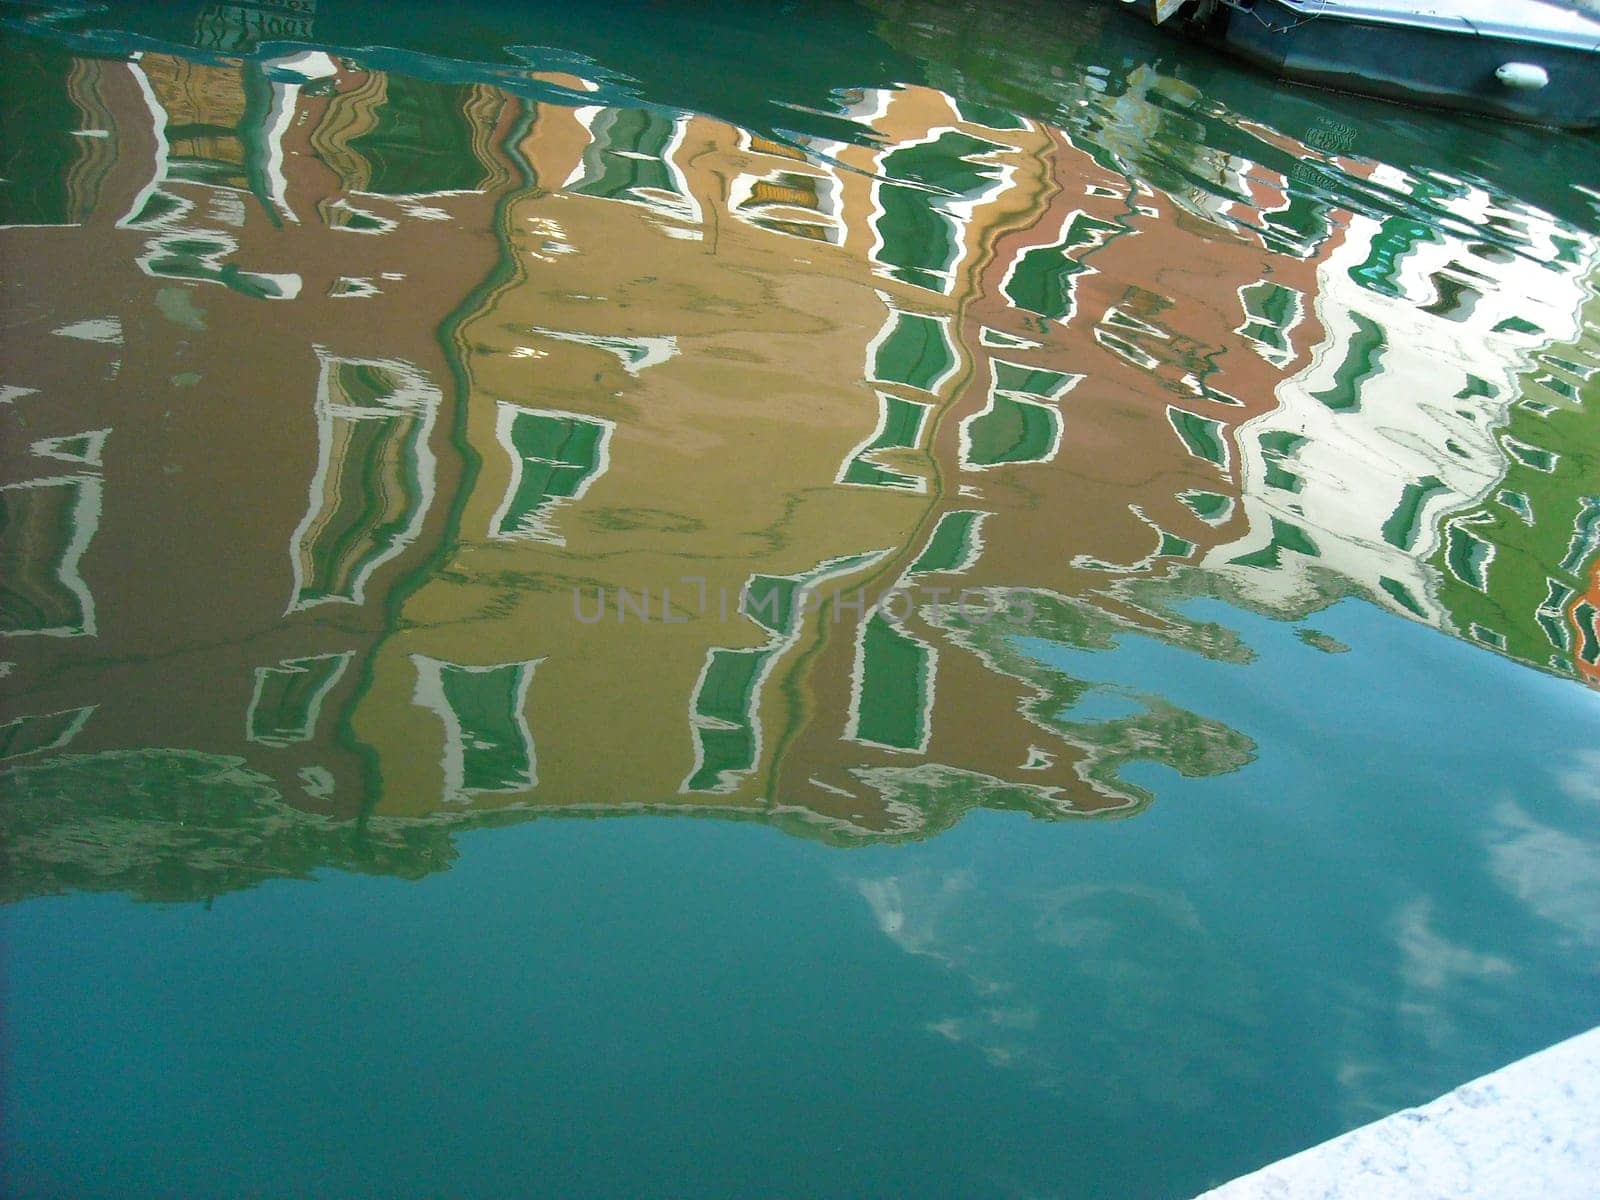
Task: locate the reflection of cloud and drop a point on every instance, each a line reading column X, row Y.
column 1431, row 962
column 1554, row 873
column 1113, row 989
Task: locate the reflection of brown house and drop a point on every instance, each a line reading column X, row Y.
column 235, row 574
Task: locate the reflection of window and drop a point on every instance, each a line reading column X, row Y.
column 1020, row 423
column 799, row 203
column 1363, row 360
column 422, row 140
column 1042, row 279
column 1010, row 430
column 555, row 456
column 954, row 544
column 1202, row 436
column 914, row 350
column 899, row 427
column 488, row 746
column 925, row 203
column 46, row 525
column 288, row 698
column 630, row 159
column 374, row 479
column 725, row 714
column 48, row 731
column 891, row 703
column 1270, row 311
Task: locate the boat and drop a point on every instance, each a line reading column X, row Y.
column 1535, row 61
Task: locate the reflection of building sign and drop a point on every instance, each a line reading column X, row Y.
column 288, row 698
column 488, row 746
column 555, row 457
column 46, row 525
column 240, row 28
column 374, row 479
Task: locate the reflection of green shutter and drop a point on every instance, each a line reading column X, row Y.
column 901, row 430
column 1012, row 431
column 952, row 543
column 558, row 455
column 1468, row 556
column 918, row 237
column 487, row 703
column 1035, row 381
column 1363, row 361
column 289, row 696
column 45, row 526
column 1278, row 446
column 422, row 140
column 916, row 353
column 1270, row 308
column 1202, row 435
column 1284, row 537
column 896, row 679
column 1043, row 279
column 1585, row 542
column 47, row 731
column 628, row 152
column 373, row 494
column 1397, row 237
column 1210, row 507
column 1405, row 523
column 729, row 685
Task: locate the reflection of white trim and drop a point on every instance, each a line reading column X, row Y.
column 85, row 523
column 536, row 525
column 430, row 694
column 285, row 99
column 415, row 398
column 636, row 354
column 158, row 130
column 93, row 453
column 294, row 666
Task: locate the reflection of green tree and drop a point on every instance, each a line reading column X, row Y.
column 1537, row 534
column 174, row 825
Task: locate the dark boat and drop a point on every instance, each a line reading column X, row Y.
column 1536, row 61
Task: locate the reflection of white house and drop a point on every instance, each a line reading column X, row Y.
column 1395, row 422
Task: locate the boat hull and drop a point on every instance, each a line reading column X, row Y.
column 1418, row 65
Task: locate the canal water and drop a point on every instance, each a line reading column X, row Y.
column 901, row 598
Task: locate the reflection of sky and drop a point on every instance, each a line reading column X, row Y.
column 1404, row 883
column 1389, row 901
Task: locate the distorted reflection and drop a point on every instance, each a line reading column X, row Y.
column 391, row 448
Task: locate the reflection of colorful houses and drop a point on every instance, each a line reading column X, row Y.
column 555, row 485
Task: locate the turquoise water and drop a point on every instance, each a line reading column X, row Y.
column 425, row 438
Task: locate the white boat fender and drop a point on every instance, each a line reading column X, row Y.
column 1523, row 77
